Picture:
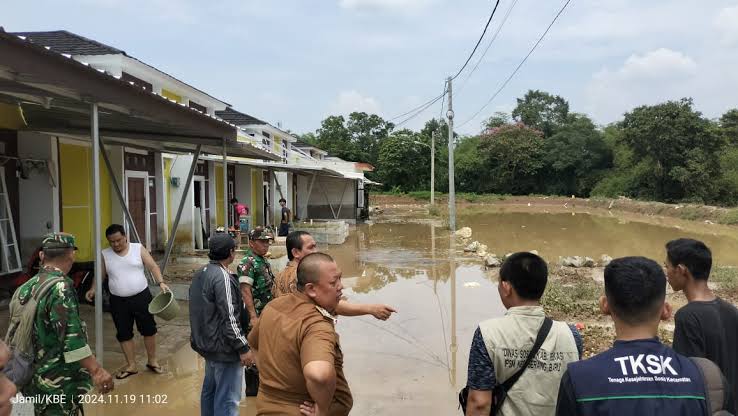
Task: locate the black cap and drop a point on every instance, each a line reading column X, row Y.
column 220, row 246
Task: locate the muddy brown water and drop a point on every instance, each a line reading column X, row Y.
column 416, row 362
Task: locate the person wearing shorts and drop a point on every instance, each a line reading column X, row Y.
column 124, row 264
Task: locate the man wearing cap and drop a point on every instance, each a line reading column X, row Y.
column 64, row 364
column 215, row 310
column 255, row 274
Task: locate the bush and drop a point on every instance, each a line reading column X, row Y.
column 726, row 277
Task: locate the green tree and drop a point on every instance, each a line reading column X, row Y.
column 468, row 165
column 498, row 119
column 576, row 157
column 403, row 162
column 729, row 126
column 541, row 110
column 680, row 145
column 356, row 139
column 334, row 138
column 512, row 156
column 441, row 137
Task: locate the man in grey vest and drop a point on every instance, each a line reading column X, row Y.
column 501, row 345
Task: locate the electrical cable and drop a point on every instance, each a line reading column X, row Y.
column 518, row 67
column 478, row 42
column 494, row 37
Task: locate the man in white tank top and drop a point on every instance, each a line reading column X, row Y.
column 123, row 265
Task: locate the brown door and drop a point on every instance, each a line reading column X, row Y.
column 137, row 206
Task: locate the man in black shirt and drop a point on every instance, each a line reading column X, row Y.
column 707, row 326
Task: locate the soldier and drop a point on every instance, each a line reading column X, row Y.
column 255, row 274
column 7, row 388
column 64, row 364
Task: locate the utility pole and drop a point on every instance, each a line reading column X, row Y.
column 451, row 188
column 433, row 167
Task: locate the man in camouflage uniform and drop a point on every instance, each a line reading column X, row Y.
column 64, row 363
column 255, row 274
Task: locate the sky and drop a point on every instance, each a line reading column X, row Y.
column 296, row 62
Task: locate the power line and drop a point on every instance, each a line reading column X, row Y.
column 518, row 67
column 421, row 110
column 432, row 100
column 423, row 106
column 479, row 41
column 494, row 37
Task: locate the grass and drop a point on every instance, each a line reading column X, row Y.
column 725, row 277
column 730, row 217
column 579, row 301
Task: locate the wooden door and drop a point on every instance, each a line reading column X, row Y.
column 136, row 191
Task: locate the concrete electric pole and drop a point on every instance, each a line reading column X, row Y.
column 433, row 167
column 451, row 188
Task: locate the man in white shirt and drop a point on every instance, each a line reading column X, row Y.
column 123, row 264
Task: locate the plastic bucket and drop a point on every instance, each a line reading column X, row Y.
column 164, row 306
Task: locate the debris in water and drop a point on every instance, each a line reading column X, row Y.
column 465, row 232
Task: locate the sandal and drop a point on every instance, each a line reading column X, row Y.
column 125, row 374
column 155, row 368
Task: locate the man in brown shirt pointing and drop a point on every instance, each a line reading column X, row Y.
column 297, row 349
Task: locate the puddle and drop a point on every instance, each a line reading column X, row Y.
column 563, row 234
column 416, row 362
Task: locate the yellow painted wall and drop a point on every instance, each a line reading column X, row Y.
column 76, row 197
column 256, row 200
column 277, row 145
column 219, row 216
column 168, row 185
column 11, row 117
column 171, row 95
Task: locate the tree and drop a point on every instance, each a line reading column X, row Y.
column 404, row 162
column 512, row 156
column 469, row 164
column 334, row 138
column 576, row 157
column 680, row 145
column 356, row 139
column 542, row 111
column 729, row 126
column 498, row 119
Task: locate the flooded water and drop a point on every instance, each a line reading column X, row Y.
column 415, row 363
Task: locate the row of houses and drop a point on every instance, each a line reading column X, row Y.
column 172, row 156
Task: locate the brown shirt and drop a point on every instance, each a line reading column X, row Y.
column 292, row 332
column 286, row 281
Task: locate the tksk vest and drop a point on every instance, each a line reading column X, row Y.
column 641, row 377
column 508, row 341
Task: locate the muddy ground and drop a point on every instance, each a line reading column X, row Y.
column 573, row 293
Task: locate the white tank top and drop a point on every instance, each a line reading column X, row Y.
column 125, row 273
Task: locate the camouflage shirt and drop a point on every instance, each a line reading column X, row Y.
column 60, row 338
column 256, row 272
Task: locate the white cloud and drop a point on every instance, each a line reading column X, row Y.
column 385, row 5
column 653, row 77
column 727, row 23
column 351, row 100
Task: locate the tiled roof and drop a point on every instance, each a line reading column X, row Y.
column 238, row 118
column 62, row 41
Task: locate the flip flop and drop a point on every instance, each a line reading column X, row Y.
column 125, row 374
column 155, row 368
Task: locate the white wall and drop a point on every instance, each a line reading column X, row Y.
column 281, row 178
column 329, row 191
column 243, row 185
column 38, row 199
